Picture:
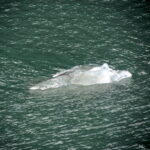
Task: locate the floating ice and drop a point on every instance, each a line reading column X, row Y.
column 83, row 75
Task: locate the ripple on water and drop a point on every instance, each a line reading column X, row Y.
column 40, row 37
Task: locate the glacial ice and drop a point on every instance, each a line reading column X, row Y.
column 83, row 75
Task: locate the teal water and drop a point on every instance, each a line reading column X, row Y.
column 37, row 38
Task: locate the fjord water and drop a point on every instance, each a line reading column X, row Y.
column 37, row 38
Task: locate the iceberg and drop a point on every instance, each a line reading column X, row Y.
column 84, row 75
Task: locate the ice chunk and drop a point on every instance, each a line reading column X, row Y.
column 80, row 75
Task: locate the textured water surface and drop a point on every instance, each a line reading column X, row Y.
column 38, row 38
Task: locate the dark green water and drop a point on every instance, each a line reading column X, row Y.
column 39, row 37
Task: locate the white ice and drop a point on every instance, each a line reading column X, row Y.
column 81, row 75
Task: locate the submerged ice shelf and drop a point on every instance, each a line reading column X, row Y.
column 81, row 75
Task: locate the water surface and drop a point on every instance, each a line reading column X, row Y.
column 37, row 38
